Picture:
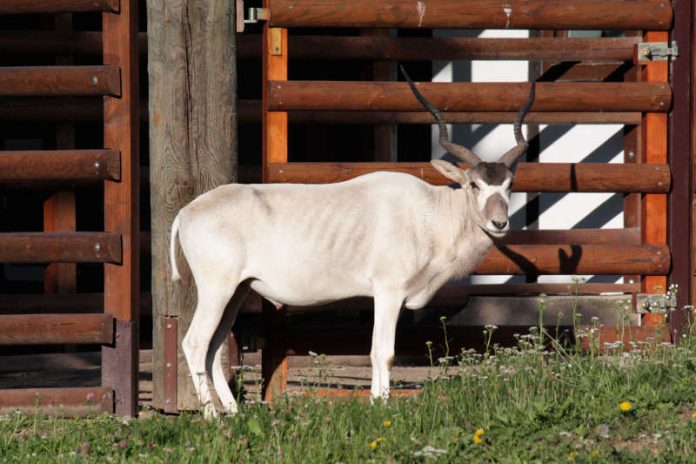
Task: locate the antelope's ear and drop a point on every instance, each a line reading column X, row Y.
column 450, row 171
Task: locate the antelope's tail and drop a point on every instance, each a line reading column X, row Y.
column 172, row 249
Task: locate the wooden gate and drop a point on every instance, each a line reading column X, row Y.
column 657, row 199
column 116, row 165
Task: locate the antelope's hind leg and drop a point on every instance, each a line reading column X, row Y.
column 212, row 300
column 214, row 362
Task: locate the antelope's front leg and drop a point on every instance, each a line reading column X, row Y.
column 387, row 308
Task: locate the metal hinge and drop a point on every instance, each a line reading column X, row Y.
column 254, row 15
column 656, row 302
column 646, row 52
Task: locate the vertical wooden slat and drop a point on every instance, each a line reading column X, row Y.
column 59, row 208
column 121, row 212
column 275, row 149
column 654, row 127
column 631, row 140
column 274, row 361
column 59, row 216
column 680, row 200
column 383, row 133
column 275, row 123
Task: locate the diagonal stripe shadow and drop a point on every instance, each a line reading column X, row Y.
column 602, row 154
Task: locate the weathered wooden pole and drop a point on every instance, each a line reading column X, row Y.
column 193, row 148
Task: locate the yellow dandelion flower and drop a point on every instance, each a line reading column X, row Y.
column 373, row 444
column 625, row 406
column 387, row 423
column 595, row 453
column 572, row 454
column 693, row 415
column 379, row 439
column 477, row 439
column 479, row 432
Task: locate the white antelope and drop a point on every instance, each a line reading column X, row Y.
column 385, row 235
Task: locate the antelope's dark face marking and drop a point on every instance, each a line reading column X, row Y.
column 491, row 184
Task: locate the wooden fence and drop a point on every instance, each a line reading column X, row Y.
column 653, row 249
column 116, row 166
column 643, row 102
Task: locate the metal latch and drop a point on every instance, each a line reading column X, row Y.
column 254, row 15
column 655, row 51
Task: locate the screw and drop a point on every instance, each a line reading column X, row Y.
column 168, row 401
column 95, row 80
column 97, row 247
column 169, row 364
column 169, row 326
column 631, row 281
column 631, row 154
column 97, row 165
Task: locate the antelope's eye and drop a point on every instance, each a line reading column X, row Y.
column 473, row 185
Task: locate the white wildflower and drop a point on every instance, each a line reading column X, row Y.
column 429, row 452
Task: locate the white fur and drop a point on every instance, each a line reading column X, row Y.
column 389, row 236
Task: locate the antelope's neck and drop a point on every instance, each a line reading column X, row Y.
column 466, row 244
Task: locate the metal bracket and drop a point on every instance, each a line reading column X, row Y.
column 655, row 302
column 646, row 52
column 254, row 15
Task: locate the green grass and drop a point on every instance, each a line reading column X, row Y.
column 534, row 405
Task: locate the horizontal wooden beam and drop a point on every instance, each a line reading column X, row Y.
column 58, row 6
column 476, row 14
column 396, row 96
column 64, row 402
column 54, row 109
column 40, row 42
column 410, row 341
column 448, row 296
column 575, row 236
column 60, row 80
column 62, row 303
column 351, row 394
column 248, row 114
column 59, row 165
column 89, row 43
column 529, row 177
column 60, row 247
column 455, row 296
column 460, row 48
column 52, row 329
column 576, row 260
column 30, row 109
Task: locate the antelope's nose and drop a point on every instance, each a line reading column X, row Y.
column 499, row 225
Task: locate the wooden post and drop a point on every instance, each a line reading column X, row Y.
column 193, row 148
column 680, row 226
column 654, row 127
column 121, row 208
column 275, row 150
